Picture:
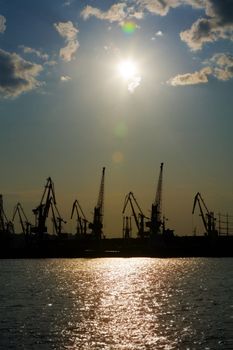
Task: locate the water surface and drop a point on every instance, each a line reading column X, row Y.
column 114, row 303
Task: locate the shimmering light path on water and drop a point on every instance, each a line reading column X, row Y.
column 121, row 304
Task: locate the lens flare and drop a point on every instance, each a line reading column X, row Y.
column 121, row 130
column 129, row 27
column 117, row 157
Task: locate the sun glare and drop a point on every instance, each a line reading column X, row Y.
column 127, row 69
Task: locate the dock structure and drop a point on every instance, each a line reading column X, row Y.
column 89, row 240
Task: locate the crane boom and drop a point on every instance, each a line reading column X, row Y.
column 81, row 218
column 48, row 201
column 208, row 218
column 77, row 207
column 129, row 200
column 25, row 224
column 139, row 219
column 158, row 197
column 100, row 202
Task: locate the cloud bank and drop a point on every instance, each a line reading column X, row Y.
column 119, row 12
column 217, row 25
column 68, row 31
column 224, row 66
column 17, row 75
column 158, row 7
column 137, row 8
column 220, row 66
column 38, row 53
column 198, row 77
column 116, row 13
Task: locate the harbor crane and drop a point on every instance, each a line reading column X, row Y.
column 81, row 228
column 207, row 216
column 6, row 226
column 156, row 222
column 138, row 218
column 48, row 201
column 97, row 225
column 24, row 223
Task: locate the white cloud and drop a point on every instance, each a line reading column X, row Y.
column 218, row 25
column 69, row 33
column 38, row 53
column 223, row 59
column 67, row 30
column 2, row 24
column 116, row 13
column 121, row 11
column 224, row 74
column 17, row 75
column 67, row 53
column 224, row 66
column 159, row 7
column 65, row 78
column 67, row 2
column 206, row 31
column 133, row 83
column 159, row 33
column 50, row 63
column 162, row 7
column 138, row 14
column 198, row 77
column 219, row 66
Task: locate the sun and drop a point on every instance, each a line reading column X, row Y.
column 127, row 69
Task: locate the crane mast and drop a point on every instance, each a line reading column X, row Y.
column 97, row 225
column 156, row 221
column 208, row 218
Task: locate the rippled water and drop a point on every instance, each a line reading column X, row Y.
column 121, row 304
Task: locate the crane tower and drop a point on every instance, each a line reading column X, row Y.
column 156, row 209
column 97, row 225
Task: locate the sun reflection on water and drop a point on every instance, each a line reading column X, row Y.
column 125, row 305
column 118, row 304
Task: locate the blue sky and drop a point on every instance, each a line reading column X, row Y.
column 66, row 110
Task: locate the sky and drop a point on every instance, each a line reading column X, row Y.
column 125, row 85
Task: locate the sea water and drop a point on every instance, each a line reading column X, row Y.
column 116, row 303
